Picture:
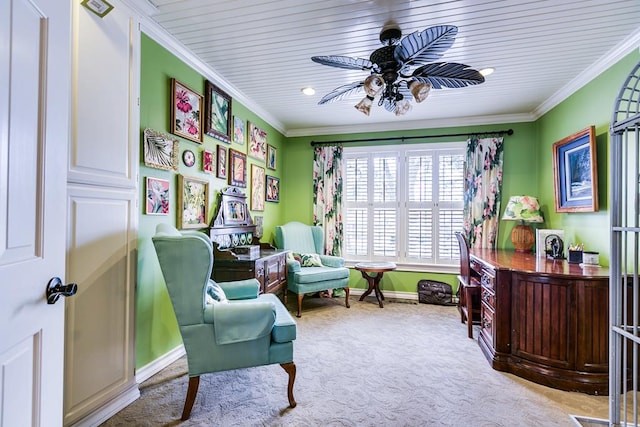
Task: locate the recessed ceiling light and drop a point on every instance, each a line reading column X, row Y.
column 486, row 71
column 308, row 91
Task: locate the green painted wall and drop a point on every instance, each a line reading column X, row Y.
column 527, row 170
column 520, row 165
column 156, row 327
column 591, row 105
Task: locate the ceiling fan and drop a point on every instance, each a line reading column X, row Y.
column 393, row 73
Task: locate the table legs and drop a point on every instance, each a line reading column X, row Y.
column 374, row 285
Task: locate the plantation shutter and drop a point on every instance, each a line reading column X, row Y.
column 356, row 209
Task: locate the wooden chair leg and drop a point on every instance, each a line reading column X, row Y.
column 346, row 297
column 194, row 382
column 290, row 369
column 300, row 296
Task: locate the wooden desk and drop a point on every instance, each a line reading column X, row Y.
column 544, row 320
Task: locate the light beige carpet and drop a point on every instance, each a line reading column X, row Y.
column 402, row 365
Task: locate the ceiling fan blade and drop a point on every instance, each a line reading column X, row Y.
column 342, row 92
column 448, row 75
column 426, row 46
column 344, row 62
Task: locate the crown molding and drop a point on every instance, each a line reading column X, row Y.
column 412, row 125
column 166, row 40
column 601, row 65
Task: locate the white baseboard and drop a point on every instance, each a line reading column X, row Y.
column 150, row 369
column 410, row 296
column 109, row 409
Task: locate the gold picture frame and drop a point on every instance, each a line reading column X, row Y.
column 193, row 202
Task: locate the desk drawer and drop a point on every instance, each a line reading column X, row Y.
column 488, row 297
column 487, row 322
column 488, row 279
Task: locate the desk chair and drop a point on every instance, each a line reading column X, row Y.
column 468, row 289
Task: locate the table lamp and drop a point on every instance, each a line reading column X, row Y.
column 524, row 209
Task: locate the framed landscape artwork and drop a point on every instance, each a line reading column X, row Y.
column 257, row 143
column 575, row 172
column 186, row 112
column 193, row 202
column 217, row 113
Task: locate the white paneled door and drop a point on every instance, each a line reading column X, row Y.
column 35, row 63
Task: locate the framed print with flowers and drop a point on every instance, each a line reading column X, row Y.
column 217, row 112
column 237, row 168
column 257, row 142
column 186, row 112
column 193, row 202
column 221, row 169
column 157, row 196
column 273, row 189
column 208, row 159
column 239, row 130
column 257, row 188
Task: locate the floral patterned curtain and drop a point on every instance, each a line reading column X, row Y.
column 482, row 191
column 327, row 191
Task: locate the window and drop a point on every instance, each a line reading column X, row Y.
column 403, row 203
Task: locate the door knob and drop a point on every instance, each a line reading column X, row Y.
column 55, row 288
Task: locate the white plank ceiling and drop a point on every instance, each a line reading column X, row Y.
column 542, row 52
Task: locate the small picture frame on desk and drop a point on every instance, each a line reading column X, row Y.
column 541, row 237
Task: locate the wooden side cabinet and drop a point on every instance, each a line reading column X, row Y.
column 269, row 268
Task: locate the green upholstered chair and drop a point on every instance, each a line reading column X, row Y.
column 236, row 328
column 304, row 239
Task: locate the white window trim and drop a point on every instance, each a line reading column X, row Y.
column 401, row 152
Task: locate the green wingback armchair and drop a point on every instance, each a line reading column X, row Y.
column 223, row 326
column 304, row 239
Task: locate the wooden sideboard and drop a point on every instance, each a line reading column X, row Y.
column 269, row 267
column 544, row 320
column 237, row 254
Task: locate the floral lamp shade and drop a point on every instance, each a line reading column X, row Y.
column 523, row 209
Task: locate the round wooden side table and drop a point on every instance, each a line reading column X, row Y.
column 372, row 272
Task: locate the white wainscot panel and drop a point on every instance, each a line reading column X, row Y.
column 99, row 363
column 104, row 145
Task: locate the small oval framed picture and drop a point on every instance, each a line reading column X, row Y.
column 189, row 158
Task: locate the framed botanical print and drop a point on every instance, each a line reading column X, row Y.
column 157, row 202
column 221, row 169
column 273, row 189
column 257, row 143
column 186, row 112
column 208, row 159
column 193, row 202
column 271, row 157
column 217, row 113
column 237, row 168
column 257, row 188
column 239, row 130
column 160, row 150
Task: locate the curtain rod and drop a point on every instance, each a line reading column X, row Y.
column 404, row 138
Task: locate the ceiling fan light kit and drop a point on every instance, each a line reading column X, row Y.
column 393, row 76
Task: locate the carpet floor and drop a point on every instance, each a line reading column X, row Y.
column 403, row 365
